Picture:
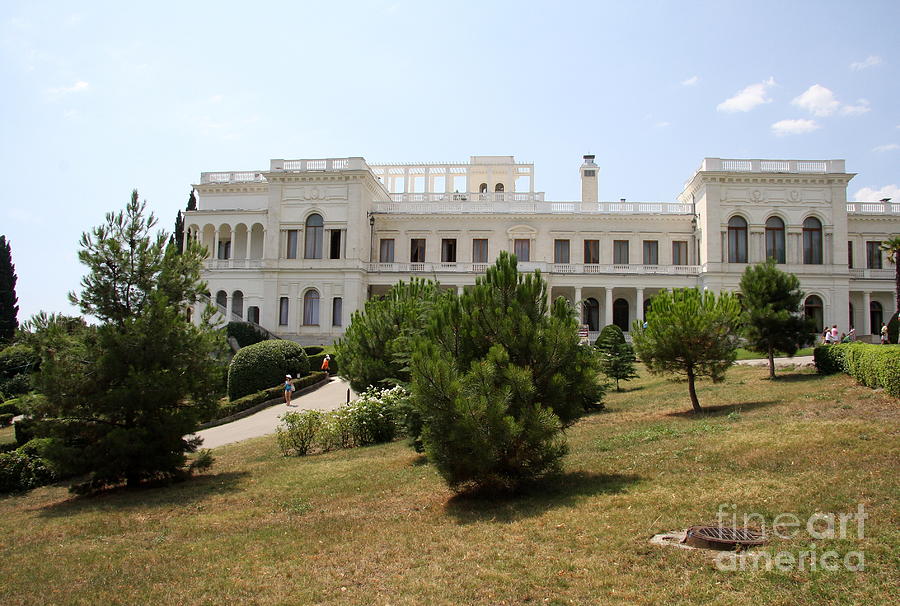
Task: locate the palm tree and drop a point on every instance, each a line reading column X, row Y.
column 892, row 248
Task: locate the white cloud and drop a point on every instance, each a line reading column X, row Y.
column 887, row 147
column 690, row 81
column 662, row 124
column 817, row 100
column 871, row 61
column 216, row 99
column 748, row 98
column 867, row 194
column 861, row 107
column 794, row 127
column 69, row 114
column 78, row 87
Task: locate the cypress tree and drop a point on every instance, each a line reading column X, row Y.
column 9, row 311
column 616, row 355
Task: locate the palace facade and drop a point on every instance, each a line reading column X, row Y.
column 299, row 247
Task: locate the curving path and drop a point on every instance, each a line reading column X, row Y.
column 780, row 362
column 264, row 422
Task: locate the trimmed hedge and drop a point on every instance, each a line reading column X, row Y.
column 245, row 334
column 262, row 365
column 871, row 365
column 312, row 350
column 22, row 471
column 249, row 401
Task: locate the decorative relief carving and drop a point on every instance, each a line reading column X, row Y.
column 756, row 196
column 316, row 192
column 794, row 195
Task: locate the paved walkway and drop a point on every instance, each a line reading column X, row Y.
column 781, row 362
column 264, row 422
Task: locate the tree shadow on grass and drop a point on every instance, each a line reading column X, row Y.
column 149, row 495
column 722, row 409
column 562, row 490
column 796, row 378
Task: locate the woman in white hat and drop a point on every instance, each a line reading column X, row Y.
column 288, row 389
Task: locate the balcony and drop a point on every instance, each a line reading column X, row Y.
column 473, row 205
column 772, row 166
column 872, row 274
column 497, row 196
column 548, row 268
column 234, row 263
column 873, row 208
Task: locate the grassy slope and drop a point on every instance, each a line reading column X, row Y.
column 376, row 525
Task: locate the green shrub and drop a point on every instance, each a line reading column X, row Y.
column 24, row 430
column 312, row 350
column 6, row 419
column 244, row 333
column 374, row 415
column 264, row 365
column 16, row 385
column 337, row 430
column 870, row 365
column 20, row 471
column 17, row 360
column 11, row 407
column 298, row 430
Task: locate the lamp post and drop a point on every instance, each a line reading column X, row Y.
column 371, row 235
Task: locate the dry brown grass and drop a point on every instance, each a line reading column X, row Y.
column 377, row 526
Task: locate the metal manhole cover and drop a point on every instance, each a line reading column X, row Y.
column 719, row 537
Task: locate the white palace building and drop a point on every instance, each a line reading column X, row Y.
column 299, row 247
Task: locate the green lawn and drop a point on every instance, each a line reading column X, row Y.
column 377, row 526
column 746, row 354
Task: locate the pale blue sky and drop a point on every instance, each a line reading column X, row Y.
column 100, row 98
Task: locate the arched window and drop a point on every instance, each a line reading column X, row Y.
column 315, row 232
column 813, row 309
column 737, row 240
column 221, row 298
column 482, row 188
column 620, row 314
column 876, row 317
column 775, row 239
column 237, row 303
column 253, row 314
column 591, row 314
column 311, row 308
column 852, row 321
column 498, row 187
column 812, row 241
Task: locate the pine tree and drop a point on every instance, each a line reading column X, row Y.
column 689, row 333
column 616, row 355
column 496, row 378
column 774, row 312
column 376, row 347
column 120, row 398
column 9, row 311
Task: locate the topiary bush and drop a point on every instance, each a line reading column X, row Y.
column 315, row 362
column 264, row 365
column 312, row 350
column 244, row 333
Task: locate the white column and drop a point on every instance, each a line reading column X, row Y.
column 215, row 250
column 867, row 301
column 459, row 289
column 608, row 311
column 579, row 307
column 639, row 312
column 228, row 307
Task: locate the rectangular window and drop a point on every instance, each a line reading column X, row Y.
column 448, row 250
column 293, row 236
column 651, row 252
column 592, row 251
column 620, row 252
column 386, row 251
column 479, row 250
column 337, row 309
column 522, row 249
column 679, row 253
column 560, row 251
column 850, row 254
column 334, row 247
column 224, row 249
column 873, row 255
column 417, row 250
column 283, row 311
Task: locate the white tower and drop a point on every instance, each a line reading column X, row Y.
column 589, row 172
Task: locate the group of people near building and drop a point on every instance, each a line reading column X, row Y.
column 830, row 335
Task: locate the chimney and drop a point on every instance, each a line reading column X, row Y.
column 589, row 172
column 622, row 200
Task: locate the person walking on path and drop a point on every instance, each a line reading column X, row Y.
column 325, row 364
column 884, row 334
column 288, row 389
column 835, row 337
